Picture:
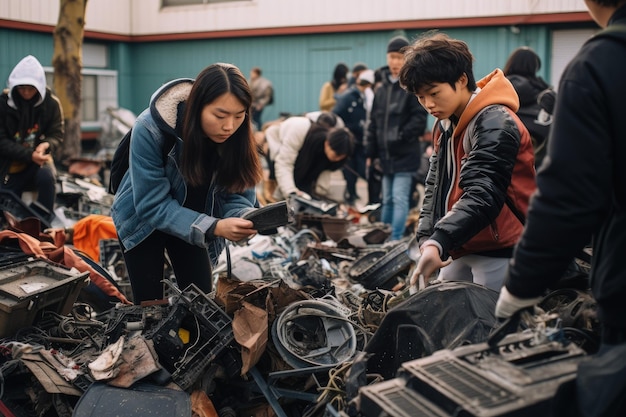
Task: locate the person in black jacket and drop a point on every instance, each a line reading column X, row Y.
column 350, row 107
column 481, row 173
column 582, row 195
column 393, row 139
column 536, row 97
column 31, row 130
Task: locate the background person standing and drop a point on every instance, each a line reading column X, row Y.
column 397, row 121
column 536, row 97
column 262, row 95
column 351, row 109
column 337, row 85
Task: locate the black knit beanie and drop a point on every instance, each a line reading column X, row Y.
column 397, row 43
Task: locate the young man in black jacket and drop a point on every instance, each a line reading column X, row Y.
column 351, row 108
column 582, row 195
column 481, row 172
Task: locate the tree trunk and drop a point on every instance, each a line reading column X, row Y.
column 67, row 62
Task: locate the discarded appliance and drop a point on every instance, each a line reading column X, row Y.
column 30, row 287
column 13, row 204
column 522, row 373
column 269, row 217
column 79, row 198
column 314, row 333
column 208, row 328
column 442, row 316
column 378, row 269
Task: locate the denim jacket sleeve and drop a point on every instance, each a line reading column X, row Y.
column 237, row 204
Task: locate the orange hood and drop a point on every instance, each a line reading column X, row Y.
column 495, row 88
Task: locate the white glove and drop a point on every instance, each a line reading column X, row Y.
column 508, row 304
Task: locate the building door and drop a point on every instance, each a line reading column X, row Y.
column 565, row 44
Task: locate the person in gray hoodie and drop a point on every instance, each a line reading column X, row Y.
column 31, row 131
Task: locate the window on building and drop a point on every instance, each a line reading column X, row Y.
column 167, row 3
column 89, row 101
column 99, row 85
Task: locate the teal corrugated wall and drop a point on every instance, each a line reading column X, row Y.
column 297, row 65
column 15, row 45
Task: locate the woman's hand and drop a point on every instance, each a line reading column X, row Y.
column 234, row 229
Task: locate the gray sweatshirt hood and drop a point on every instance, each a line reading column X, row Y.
column 27, row 72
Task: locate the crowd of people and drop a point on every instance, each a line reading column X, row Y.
column 387, row 128
column 519, row 180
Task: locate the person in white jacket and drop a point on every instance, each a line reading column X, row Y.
column 300, row 148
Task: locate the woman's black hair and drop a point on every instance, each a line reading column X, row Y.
column 239, row 166
column 327, row 119
column 341, row 140
column 340, row 75
column 522, row 61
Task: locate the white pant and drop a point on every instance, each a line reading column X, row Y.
column 483, row 270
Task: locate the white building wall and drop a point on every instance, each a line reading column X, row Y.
column 109, row 16
column 145, row 17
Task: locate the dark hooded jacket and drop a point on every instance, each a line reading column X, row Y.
column 536, row 106
column 22, row 129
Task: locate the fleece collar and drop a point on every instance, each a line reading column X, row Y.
column 166, row 102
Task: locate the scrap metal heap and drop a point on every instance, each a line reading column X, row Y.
column 314, row 321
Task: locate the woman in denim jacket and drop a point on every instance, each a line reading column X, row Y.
column 189, row 202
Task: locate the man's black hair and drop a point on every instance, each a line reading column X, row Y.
column 436, row 58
